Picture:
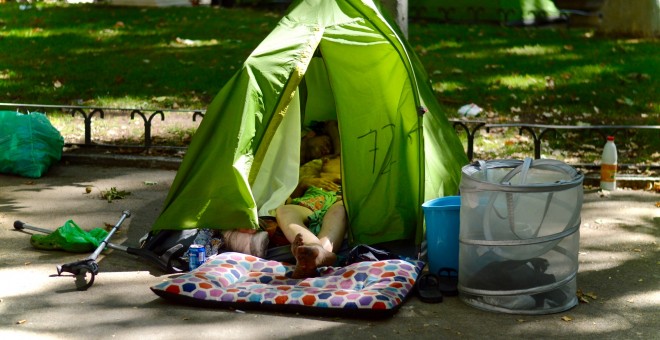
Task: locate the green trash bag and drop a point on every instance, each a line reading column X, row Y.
column 70, row 237
column 29, row 144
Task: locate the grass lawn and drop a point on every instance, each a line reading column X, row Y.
column 96, row 55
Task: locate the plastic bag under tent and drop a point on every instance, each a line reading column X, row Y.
column 519, row 235
column 29, row 144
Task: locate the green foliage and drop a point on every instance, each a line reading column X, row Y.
column 114, row 194
column 562, row 76
column 541, row 75
column 180, row 57
column 124, row 56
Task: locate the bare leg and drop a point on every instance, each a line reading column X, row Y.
column 333, row 228
column 310, row 251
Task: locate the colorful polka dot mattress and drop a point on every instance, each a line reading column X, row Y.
column 240, row 281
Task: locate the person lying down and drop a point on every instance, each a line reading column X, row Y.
column 314, row 218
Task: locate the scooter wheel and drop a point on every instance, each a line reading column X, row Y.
column 18, row 225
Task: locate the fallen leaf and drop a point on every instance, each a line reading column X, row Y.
column 567, row 318
column 592, row 295
column 28, row 263
column 549, row 83
column 20, row 322
column 625, row 101
column 109, row 227
column 88, row 189
column 637, row 250
column 113, row 193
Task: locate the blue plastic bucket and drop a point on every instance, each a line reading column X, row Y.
column 442, row 216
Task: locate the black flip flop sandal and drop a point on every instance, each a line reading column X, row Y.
column 448, row 283
column 427, row 288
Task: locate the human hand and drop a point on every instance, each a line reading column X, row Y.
column 323, row 183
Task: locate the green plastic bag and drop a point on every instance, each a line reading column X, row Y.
column 70, row 237
column 29, row 144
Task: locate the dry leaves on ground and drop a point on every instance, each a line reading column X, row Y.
column 584, row 297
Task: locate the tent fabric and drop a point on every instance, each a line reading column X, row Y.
column 325, row 59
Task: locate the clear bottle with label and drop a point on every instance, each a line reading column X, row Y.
column 608, row 165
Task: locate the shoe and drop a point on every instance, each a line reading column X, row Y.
column 448, row 283
column 428, row 288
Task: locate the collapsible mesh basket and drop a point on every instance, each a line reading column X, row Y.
column 519, row 235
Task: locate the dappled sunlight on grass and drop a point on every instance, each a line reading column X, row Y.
column 127, row 101
column 176, row 58
column 529, row 50
column 584, row 74
column 118, row 128
column 523, row 82
column 448, row 86
column 188, row 43
column 443, row 45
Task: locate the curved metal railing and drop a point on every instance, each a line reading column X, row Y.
column 471, row 128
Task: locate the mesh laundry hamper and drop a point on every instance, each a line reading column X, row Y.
column 519, row 235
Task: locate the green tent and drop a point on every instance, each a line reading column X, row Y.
column 501, row 11
column 324, row 60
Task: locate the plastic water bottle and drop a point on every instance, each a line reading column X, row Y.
column 608, row 165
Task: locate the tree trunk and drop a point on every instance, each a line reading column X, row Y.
column 399, row 10
column 638, row 18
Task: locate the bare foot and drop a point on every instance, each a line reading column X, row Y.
column 297, row 242
column 309, row 257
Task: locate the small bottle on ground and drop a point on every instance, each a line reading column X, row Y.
column 608, row 166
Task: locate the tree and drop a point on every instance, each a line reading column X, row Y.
column 639, row 18
column 399, row 10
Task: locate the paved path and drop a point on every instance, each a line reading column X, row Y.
column 618, row 262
